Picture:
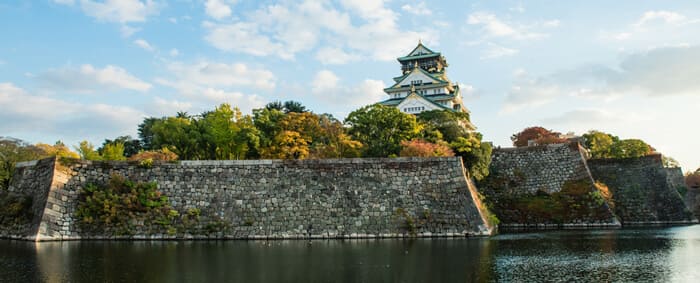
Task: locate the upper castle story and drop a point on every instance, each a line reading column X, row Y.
column 423, row 84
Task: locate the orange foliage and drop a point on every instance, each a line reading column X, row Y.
column 161, row 155
column 421, row 148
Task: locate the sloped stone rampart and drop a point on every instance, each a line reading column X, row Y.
column 642, row 191
column 31, row 180
column 545, row 186
column 336, row 198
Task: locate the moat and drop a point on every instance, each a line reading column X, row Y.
column 649, row 255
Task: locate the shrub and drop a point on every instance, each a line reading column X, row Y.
column 121, row 204
column 421, row 148
column 154, row 155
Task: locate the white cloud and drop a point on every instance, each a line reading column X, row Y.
column 551, row 23
column 88, row 79
column 492, row 26
column 661, row 72
column 144, row 44
column 120, row 11
column 213, row 74
column 174, row 52
column 496, row 51
column 324, row 81
column 217, row 9
column 418, row 9
column 165, row 107
column 655, row 26
column 334, row 56
column 245, row 38
column 214, row 83
column 128, row 31
column 28, row 115
column 663, row 16
column 285, row 29
column 326, row 88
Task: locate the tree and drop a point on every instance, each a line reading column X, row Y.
column 450, row 124
column 287, row 145
column 227, row 134
column 59, row 149
column 536, row 135
column 161, row 155
column 87, row 151
column 13, row 151
column 275, row 105
column 113, row 151
column 131, row 146
column 381, row 129
column 146, row 133
column 294, row 107
column 599, row 143
column 179, row 135
column 630, row 148
column 475, row 154
column 421, row 148
column 332, row 142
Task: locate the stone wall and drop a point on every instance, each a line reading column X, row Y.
column 337, row 198
column 642, row 191
column 31, row 180
column 545, row 186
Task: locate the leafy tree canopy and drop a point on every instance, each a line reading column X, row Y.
column 382, row 129
column 536, row 135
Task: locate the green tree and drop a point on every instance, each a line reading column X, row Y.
column 180, row 135
column 131, row 146
column 59, row 149
column 13, row 151
column 475, row 154
column 382, row 129
column 294, row 107
column 146, row 133
column 227, row 134
column 450, row 124
column 113, row 151
column 599, row 143
column 87, row 151
column 630, row 148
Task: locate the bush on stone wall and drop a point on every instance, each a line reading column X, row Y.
column 119, row 206
column 15, row 209
column 575, row 202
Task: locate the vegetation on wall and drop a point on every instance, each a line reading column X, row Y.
column 536, row 136
column 604, row 145
column 15, row 209
column 120, row 205
column 288, row 130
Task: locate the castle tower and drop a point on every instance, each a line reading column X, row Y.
column 423, row 85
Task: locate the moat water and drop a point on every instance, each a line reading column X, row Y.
column 653, row 255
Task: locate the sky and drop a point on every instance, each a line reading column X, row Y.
column 75, row 70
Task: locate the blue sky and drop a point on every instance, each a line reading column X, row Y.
column 81, row 69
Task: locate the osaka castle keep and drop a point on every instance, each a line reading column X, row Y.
column 423, row 85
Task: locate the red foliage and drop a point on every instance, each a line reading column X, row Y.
column 421, row 148
column 536, row 135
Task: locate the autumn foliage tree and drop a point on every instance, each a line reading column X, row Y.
column 537, row 136
column 421, row 148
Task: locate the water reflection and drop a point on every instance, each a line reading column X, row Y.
column 659, row 255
